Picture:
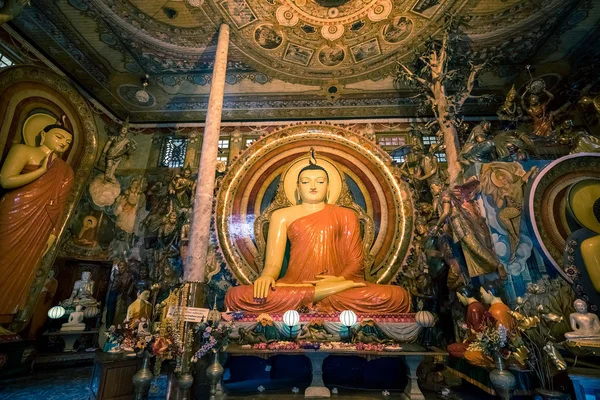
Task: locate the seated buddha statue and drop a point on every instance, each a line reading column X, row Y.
column 325, row 270
column 83, row 291
column 585, row 325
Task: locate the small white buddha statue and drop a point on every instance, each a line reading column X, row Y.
column 82, row 292
column 585, row 325
column 75, row 321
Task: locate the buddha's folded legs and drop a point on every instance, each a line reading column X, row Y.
column 371, row 299
column 279, row 300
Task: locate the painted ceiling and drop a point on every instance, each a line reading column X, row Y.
column 288, row 59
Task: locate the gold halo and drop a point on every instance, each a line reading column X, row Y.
column 91, row 218
column 582, row 197
column 34, row 124
column 290, row 178
column 496, row 180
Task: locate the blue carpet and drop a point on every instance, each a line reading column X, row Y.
column 59, row 384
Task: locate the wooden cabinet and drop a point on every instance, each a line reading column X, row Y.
column 112, row 376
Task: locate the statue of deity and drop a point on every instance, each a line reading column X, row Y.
column 182, row 189
column 537, row 111
column 122, row 282
column 585, row 325
column 11, row 9
column 510, row 112
column 168, row 280
column 115, row 148
column 580, row 141
column 75, row 322
column 504, row 183
column 140, row 308
column 325, row 269
column 168, row 233
column 82, row 291
column 456, row 205
column 474, row 318
column 39, row 183
column 478, row 147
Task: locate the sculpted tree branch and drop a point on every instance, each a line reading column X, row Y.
column 432, row 76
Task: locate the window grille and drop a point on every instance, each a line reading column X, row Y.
column 172, row 152
column 5, row 61
column 223, row 144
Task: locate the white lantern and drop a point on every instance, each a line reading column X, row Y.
column 425, row 319
column 56, row 312
column 91, row 312
column 291, row 318
column 348, row 318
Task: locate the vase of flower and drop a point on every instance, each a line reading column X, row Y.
column 142, row 379
column 503, row 380
column 214, row 373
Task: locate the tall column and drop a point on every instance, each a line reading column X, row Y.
column 195, row 263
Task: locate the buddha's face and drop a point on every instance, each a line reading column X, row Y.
column 580, row 306
column 85, row 276
column 312, row 186
column 57, row 140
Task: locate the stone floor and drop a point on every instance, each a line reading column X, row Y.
column 71, row 384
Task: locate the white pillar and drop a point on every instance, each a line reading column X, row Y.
column 195, row 263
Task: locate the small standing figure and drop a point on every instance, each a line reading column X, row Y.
column 585, row 325
column 115, row 148
column 510, row 112
column 542, row 119
column 182, row 189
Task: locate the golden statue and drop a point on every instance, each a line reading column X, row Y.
column 542, row 119
column 510, row 112
column 326, row 266
column 140, row 308
column 31, row 213
column 578, row 141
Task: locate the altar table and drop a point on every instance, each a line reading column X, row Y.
column 413, row 354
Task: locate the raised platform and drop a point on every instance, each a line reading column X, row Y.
column 413, row 354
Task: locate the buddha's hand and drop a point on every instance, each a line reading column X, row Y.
column 262, row 286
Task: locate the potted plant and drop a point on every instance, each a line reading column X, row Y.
column 499, row 343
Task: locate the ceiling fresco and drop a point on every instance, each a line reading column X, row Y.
column 288, row 59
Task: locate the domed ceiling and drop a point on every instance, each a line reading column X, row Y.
column 288, row 58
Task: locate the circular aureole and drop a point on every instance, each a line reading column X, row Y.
column 253, row 182
column 33, row 125
column 547, row 203
column 290, row 178
column 91, row 219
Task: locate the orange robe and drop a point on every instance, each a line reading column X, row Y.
column 326, row 242
column 28, row 215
